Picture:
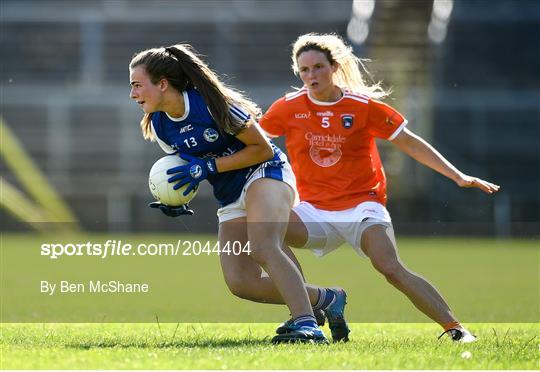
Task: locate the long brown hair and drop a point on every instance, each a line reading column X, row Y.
column 184, row 69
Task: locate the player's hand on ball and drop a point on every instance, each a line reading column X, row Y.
column 172, row 211
column 195, row 171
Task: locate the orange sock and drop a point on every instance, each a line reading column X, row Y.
column 451, row 325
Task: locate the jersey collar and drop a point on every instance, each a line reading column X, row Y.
column 322, row 103
column 186, row 110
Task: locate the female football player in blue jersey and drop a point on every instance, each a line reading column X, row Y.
column 190, row 112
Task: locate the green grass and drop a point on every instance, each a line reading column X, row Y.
column 246, row 346
column 483, row 280
column 491, row 285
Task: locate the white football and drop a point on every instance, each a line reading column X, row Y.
column 161, row 189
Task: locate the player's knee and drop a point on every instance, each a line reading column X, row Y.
column 393, row 271
column 297, row 234
column 262, row 251
column 238, row 286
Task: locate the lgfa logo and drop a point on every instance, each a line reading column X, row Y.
column 302, row 115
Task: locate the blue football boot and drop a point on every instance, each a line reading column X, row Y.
column 335, row 314
column 300, row 334
column 284, row 327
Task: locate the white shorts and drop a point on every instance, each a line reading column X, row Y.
column 327, row 230
column 282, row 172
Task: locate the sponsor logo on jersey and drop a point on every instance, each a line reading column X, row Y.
column 347, row 120
column 302, row 115
column 326, row 113
column 227, row 152
column 210, row 135
column 210, row 166
column 195, row 171
column 322, row 139
column 325, row 149
column 186, row 128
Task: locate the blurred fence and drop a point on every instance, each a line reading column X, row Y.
column 473, row 91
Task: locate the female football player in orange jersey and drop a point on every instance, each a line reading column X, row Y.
column 330, row 126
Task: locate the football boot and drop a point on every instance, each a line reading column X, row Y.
column 460, row 335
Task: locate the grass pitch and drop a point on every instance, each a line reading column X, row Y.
column 483, row 280
column 246, row 346
column 491, row 285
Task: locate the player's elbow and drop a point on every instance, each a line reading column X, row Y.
column 259, row 153
column 265, row 152
column 408, row 145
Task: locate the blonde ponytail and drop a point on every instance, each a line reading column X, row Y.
column 348, row 75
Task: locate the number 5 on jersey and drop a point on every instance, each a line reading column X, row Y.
column 325, row 122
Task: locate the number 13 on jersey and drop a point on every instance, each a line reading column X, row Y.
column 190, row 142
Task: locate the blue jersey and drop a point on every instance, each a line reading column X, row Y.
column 196, row 133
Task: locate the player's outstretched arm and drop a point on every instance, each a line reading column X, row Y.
column 423, row 152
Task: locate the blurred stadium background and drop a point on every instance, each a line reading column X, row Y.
column 466, row 73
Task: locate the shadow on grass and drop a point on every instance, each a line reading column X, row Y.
column 202, row 343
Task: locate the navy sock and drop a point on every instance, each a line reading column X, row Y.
column 326, row 297
column 305, row 321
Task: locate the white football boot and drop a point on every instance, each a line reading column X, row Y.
column 460, row 335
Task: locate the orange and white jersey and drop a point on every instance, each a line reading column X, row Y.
column 331, row 146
